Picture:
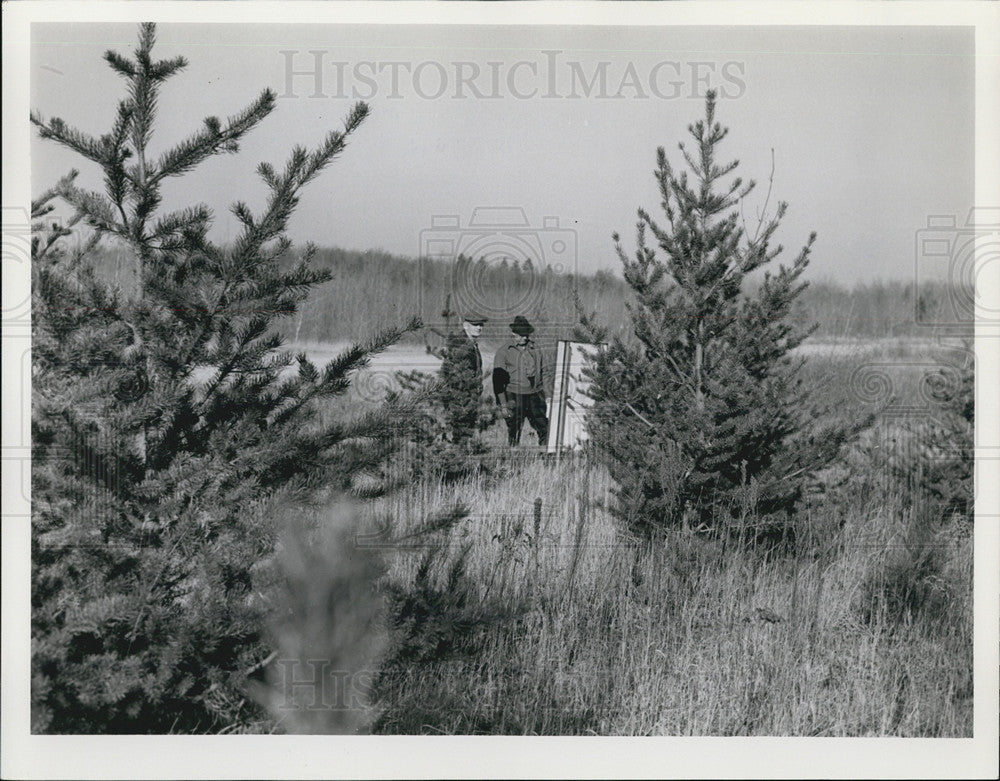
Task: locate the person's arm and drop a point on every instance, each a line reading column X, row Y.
column 501, row 378
column 541, row 376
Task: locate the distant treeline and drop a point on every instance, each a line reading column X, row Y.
column 372, row 289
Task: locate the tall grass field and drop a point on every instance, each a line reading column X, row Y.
column 529, row 611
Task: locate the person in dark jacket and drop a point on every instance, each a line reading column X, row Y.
column 466, row 348
column 462, row 374
column 518, row 383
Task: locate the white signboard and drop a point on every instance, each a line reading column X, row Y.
column 569, row 403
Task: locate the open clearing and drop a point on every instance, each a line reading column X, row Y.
column 379, row 376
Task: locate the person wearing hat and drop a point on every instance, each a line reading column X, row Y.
column 462, row 374
column 517, row 383
column 464, row 347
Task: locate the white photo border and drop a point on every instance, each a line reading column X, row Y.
column 27, row 756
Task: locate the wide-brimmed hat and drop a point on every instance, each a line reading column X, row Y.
column 474, row 318
column 521, row 326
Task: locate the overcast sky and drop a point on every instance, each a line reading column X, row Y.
column 872, row 128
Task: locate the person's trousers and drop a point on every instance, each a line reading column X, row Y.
column 532, row 407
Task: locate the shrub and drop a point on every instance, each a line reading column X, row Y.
column 923, row 575
column 437, row 624
column 949, row 441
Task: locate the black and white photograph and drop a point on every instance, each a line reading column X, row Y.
column 503, row 373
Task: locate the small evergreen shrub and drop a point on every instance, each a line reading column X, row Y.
column 949, row 439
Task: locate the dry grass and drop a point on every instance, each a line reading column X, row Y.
column 865, row 630
column 551, row 622
column 687, row 638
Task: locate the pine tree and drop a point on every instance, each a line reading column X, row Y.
column 165, row 418
column 700, row 410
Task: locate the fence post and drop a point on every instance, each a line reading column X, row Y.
column 536, row 539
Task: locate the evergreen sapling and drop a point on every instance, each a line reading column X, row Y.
column 699, row 409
